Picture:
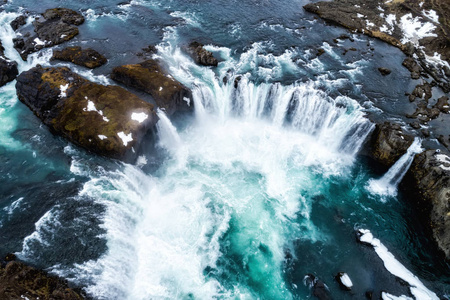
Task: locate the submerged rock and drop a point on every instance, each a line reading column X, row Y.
column 389, row 143
column 431, row 173
column 56, row 26
column 8, row 68
column 88, row 58
column 19, row 281
column 107, row 120
column 384, row 71
column 318, row 287
column 200, row 55
column 149, row 77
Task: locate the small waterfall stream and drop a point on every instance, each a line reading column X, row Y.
column 387, row 185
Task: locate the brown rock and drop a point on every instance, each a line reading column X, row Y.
column 149, row 77
column 200, row 55
column 88, row 58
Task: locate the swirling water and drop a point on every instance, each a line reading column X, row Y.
column 259, row 187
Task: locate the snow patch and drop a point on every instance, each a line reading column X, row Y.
column 126, row 138
column 63, row 89
column 418, row 290
column 387, row 296
column 445, row 160
column 414, row 30
column 140, row 117
column 432, row 15
column 38, row 42
column 102, row 137
column 345, row 279
column 91, row 107
column 360, row 15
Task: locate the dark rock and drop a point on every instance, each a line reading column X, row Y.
column 58, row 26
column 415, row 125
column 149, row 77
column 443, row 105
column 319, row 288
column 88, row 58
column 19, row 281
column 384, row 71
column 431, row 173
column 389, row 142
column 444, row 141
column 18, row 22
column 8, row 69
column 422, row 91
column 93, row 116
column 369, row 295
column 425, row 132
column 320, row 51
column 200, row 55
column 10, row 257
column 423, row 113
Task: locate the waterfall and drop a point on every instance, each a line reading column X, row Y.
column 387, row 185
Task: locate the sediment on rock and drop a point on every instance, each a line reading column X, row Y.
column 19, row 281
column 88, row 58
column 149, row 77
column 430, row 171
column 107, row 120
column 56, row 26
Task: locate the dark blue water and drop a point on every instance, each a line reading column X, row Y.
column 241, row 200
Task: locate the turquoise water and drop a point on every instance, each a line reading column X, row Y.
column 261, row 186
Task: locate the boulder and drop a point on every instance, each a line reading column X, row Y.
column 389, row 142
column 8, row 68
column 149, row 77
column 56, row 26
column 413, row 67
column 107, row 120
column 319, row 288
column 430, row 171
column 344, row 281
column 88, row 58
column 384, row 71
column 18, row 22
column 19, row 281
column 200, row 55
column 443, row 105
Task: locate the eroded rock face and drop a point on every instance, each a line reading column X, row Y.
column 389, row 143
column 149, row 77
column 56, row 26
column 200, row 55
column 107, row 120
column 8, row 69
column 88, row 58
column 19, row 281
column 431, row 173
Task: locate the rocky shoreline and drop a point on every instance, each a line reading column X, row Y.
column 421, row 29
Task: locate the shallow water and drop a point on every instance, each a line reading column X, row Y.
column 259, row 187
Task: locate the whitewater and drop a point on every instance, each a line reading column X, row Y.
column 259, row 186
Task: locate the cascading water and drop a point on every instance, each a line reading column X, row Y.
column 387, row 185
column 261, row 176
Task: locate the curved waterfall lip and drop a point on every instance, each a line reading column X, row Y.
column 387, row 185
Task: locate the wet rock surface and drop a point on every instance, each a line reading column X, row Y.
column 430, row 171
column 56, row 26
column 107, row 120
column 8, row 68
column 149, row 77
column 88, row 58
column 18, row 22
column 200, row 55
column 19, row 281
column 389, row 142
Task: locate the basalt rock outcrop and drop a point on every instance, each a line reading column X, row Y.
column 54, row 27
column 8, row 68
column 430, row 171
column 389, row 142
column 200, row 55
column 19, row 281
column 88, row 58
column 107, row 120
column 149, row 77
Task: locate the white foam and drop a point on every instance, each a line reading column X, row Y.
column 418, row 290
column 140, row 117
column 126, row 138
